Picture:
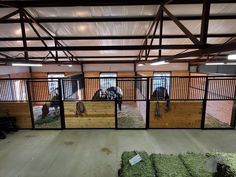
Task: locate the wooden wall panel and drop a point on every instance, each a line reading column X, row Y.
column 181, row 115
column 179, row 86
column 91, row 85
column 127, row 85
column 179, row 73
column 198, row 74
column 4, row 76
column 197, row 86
column 20, row 75
column 39, row 75
column 91, row 74
column 125, row 74
column 145, row 73
column 99, row 114
column 72, row 73
column 39, row 90
column 19, row 110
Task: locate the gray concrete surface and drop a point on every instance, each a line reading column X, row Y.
column 96, row 153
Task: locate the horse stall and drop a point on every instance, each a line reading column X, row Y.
column 220, row 104
column 192, row 102
column 107, row 102
column 134, row 103
column 44, row 99
column 14, row 102
column 120, row 102
column 83, row 107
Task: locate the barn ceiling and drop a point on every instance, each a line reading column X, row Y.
column 117, row 31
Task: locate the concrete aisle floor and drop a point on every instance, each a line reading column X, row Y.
column 96, row 153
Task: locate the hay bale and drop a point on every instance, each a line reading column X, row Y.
column 196, row 164
column 142, row 169
column 169, row 166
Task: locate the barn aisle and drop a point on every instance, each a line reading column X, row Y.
column 96, row 153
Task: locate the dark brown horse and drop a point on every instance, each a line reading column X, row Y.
column 159, row 94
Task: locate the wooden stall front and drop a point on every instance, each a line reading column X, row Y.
column 182, row 114
column 20, row 111
column 98, row 114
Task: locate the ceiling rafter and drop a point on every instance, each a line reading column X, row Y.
column 145, row 42
column 154, row 32
column 209, row 50
column 39, row 36
column 52, row 37
column 64, row 3
column 9, row 15
column 161, row 31
column 101, row 57
column 23, row 33
column 118, row 19
column 170, row 36
column 181, row 26
column 112, row 47
column 202, row 48
column 205, row 20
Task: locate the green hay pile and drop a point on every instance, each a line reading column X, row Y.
column 182, row 165
column 196, row 164
column 226, row 164
column 142, row 169
column 169, row 166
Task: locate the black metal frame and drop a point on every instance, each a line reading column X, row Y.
column 204, row 48
column 147, row 99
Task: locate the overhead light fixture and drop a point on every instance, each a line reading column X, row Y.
column 69, row 65
column 214, row 63
column 233, row 63
column 141, row 64
column 159, row 63
column 26, row 64
column 232, row 57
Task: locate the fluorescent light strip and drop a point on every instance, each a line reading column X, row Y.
column 231, row 63
column 220, row 63
column 159, row 63
column 214, row 63
column 141, row 64
column 26, row 64
column 232, row 57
